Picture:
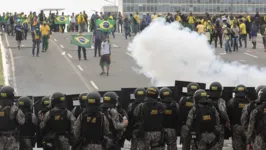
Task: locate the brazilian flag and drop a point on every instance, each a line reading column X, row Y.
column 61, row 19
column 82, row 40
column 105, row 25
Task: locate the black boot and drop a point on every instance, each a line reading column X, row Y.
column 255, row 44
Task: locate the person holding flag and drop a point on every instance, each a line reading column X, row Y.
column 36, row 39
column 83, row 49
column 26, row 28
column 45, row 30
column 19, row 33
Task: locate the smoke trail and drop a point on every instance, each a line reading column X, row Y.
column 166, row 53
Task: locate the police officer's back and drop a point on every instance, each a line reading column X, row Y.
column 92, row 127
column 235, row 107
column 206, row 118
column 256, row 134
column 58, row 123
column 115, row 125
column 28, row 130
column 249, row 108
column 170, row 120
column 10, row 118
column 151, row 113
column 79, row 109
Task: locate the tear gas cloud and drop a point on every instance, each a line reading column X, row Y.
column 166, row 52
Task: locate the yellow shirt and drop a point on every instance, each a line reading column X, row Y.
column 137, row 18
column 264, row 17
column 200, row 28
column 248, row 18
column 191, row 19
column 154, row 17
column 111, row 17
column 80, row 19
column 45, row 30
column 178, row 18
column 242, row 28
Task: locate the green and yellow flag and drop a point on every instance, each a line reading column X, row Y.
column 82, row 40
column 105, row 25
column 62, row 20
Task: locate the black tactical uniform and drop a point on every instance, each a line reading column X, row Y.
column 116, row 127
column 79, row 109
column 45, row 103
column 256, row 135
column 57, row 124
column 185, row 104
column 10, row 119
column 151, row 113
column 28, row 130
column 92, row 127
column 235, row 107
column 249, row 108
column 206, row 118
column 134, row 122
column 170, row 120
column 123, row 115
column 220, row 105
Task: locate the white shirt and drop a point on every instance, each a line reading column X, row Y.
column 105, row 48
column 73, row 19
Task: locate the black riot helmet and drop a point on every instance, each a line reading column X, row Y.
column 262, row 95
column 216, row 90
column 152, row 92
column 58, row 100
column 140, row 94
column 25, row 104
column 7, row 95
column 260, row 87
column 93, row 99
column 45, row 102
column 192, row 88
column 201, row 96
column 109, row 100
column 166, row 94
column 240, row 91
column 82, row 99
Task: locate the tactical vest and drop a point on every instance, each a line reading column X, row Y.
column 92, row 127
column 152, row 115
column 205, row 119
column 239, row 104
column 170, row 116
column 6, row 124
column 28, row 128
column 260, row 125
column 58, row 122
column 78, row 111
column 134, row 119
column 186, row 103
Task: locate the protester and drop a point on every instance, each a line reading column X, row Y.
column 36, row 39
column 127, row 27
column 83, row 49
column 19, row 33
column 106, row 56
column 254, row 32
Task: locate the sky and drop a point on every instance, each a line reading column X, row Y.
column 70, row 5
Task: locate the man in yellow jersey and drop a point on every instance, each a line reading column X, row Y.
column 177, row 17
column 136, row 22
column 154, row 16
column 191, row 21
column 243, row 33
column 45, row 30
column 200, row 28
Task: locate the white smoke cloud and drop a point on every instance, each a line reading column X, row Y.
column 166, row 53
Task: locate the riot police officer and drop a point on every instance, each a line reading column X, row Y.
column 28, row 130
column 116, row 127
column 10, row 118
column 79, row 109
column 249, row 108
column 134, row 122
column 170, row 119
column 91, row 126
column 207, row 120
column 123, row 116
column 256, row 134
column 185, row 104
column 235, row 107
column 152, row 113
column 45, row 106
column 220, row 105
column 57, row 124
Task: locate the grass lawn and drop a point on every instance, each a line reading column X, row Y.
column 2, row 81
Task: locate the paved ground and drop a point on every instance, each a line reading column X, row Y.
column 60, row 70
